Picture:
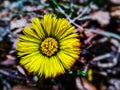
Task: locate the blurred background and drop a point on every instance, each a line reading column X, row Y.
column 96, row 21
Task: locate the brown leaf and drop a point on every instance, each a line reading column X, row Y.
column 115, row 12
column 102, row 17
column 9, row 61
column 87, row 85
column 21, row 70
column 22, row 87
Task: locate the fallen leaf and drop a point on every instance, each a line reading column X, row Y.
column 102, row 17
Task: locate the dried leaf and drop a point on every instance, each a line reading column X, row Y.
column 115, row 12
column 21, row 70
column 87, row 85
column 102, row 17
column 22, row 87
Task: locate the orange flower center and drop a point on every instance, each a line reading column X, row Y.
column 49, row 46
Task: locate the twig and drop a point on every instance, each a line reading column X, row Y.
column 84, row 18
column 101, row 57
column 80, row 15
column 105, row 33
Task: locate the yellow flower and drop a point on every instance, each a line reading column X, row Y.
column 48, row 47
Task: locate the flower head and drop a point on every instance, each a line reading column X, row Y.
column 49, row 47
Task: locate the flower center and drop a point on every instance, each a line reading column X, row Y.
column 49, row 46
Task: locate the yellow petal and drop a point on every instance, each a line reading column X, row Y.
column 62, row 26
column 68, row 32
column 54, row 24
column 35, row 63
column 41, row 70
column 74, row 54
column 26, row 45
column 70, row 43
column 73, row 35
column 29, row 32
column 66, row 60
column 38, row 28
column 22, row 53
column 57, row 67
column 28, row 57
column 47, row 23
column 24, row 38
